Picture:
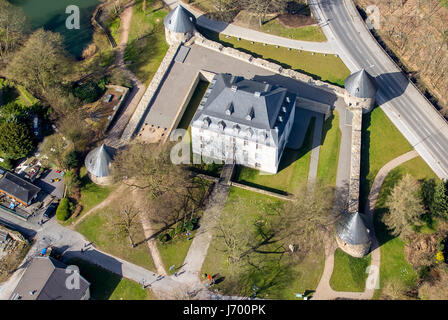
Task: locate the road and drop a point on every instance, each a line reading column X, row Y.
column 411, row 113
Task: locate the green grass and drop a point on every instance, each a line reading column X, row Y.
column 174, row 251
column 381, row 143
column 307, row 33
column 114, row 28
column 192, row 106
column 329, row 151
column 105, row 285
column 394, row 266
column 292, row 171
column 146, row 46
column 98, row 229
column 349, row 273
column 277, row 277
column 91, row 193
column 327, row 68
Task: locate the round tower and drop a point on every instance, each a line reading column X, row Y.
column 179, row 25
column 98, row 162
column 360, row 90
column 352, row 235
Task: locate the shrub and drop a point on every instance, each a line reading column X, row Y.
column 88, row 92
column 180, row 227
column 189, row 226
column 172, row 233
column 63, row 210
column 164, row 237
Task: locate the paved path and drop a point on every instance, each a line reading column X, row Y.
column 253, row 35
column 323, row 290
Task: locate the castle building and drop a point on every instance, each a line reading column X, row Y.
column 360, row 90
column 352, row 235
column 179, row 25
column 244, row 121
column 98, row 162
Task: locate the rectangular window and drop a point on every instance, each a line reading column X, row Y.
column 245, row 142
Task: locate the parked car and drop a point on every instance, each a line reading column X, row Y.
column 50, row 210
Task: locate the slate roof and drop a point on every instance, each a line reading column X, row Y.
column 361, row 84
column 351, row 229
column 46, row 276
column 18, row 187
column 98, row 161
column 232, row 100
column 180, row 20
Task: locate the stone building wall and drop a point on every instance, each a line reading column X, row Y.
column 366, row 104
column 357, row 251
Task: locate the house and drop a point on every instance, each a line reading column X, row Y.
column 244, row 121
column 48, row 279
column 19, row 189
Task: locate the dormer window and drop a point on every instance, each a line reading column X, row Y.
column 280, row 118
column 230, row 109
column 234, row 88
column 249, row 132
column 221, row 125
column 257, row 94
column 236, row 128
column 207, row 121
column 284, row 109
column 251, row 114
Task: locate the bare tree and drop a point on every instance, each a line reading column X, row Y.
column 126, row 222
column 12, row 27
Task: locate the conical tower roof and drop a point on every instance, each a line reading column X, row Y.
column 98, row 161
column 352, row 229
column 180, row 20
column 361, row 84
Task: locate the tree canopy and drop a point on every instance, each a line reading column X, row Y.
column 15, row 140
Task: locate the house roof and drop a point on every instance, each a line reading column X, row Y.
column 351, row 229
column 361, row 84
column 18, row 187
column 180, row 20
column 46, row 277
column 98, row 161
column 250, row 104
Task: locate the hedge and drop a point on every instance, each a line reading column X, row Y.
column 63, row 210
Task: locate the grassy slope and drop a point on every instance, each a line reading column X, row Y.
column 98, row 229
column 307, row 33
column 394, row 267
column 276, row 281
column 349, row 273
column 146, row 44
column 381, row 142
column 329, row 151
column 292, row 171
column 196, row 98
column 105, row 285
column 326, row 68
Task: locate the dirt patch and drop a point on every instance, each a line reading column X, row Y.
column 295, row 20
column 421, row 250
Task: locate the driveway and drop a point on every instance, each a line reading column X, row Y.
column 53, row 188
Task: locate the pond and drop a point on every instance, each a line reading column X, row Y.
column 50, row 14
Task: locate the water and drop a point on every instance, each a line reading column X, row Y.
column 50, row 14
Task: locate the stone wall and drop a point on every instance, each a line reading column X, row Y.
column 150, row 92
column 355, row 250
column 276, row 68
column 355, row 161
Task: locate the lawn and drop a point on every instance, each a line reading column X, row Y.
column 381, row 143
column 146, row 46
column 349, row 273
column 97, row 227
column 329, row 151
column 174, row 251
column 276, row 275
column 394, row 266
column 91, row 193
column 193, row 105
column 292, row 171
column 105, row 285
column 327, row 68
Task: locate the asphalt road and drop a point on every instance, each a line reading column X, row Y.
column 413, row 115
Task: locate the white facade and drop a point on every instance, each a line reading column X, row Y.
column 251, row 146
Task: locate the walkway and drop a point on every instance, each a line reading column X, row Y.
column 138, row 88
column 253, row 35
column 323, row 290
